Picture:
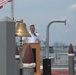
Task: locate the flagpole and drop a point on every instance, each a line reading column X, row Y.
column 12, row 9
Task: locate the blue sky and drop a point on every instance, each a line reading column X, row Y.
column 41, row 12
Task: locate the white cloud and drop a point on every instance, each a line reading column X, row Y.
column 73, row 7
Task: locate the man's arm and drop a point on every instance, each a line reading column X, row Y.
column 38, row 38
column 23, row 40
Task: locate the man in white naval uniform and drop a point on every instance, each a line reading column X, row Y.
column 34, row 36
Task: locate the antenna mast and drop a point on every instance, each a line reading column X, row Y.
column 12, row 9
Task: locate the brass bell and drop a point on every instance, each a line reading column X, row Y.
column 21, row 30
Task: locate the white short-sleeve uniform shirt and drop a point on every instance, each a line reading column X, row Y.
column 32, row 39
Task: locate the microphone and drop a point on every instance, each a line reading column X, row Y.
column 35, row 34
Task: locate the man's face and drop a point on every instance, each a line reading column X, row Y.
column 32, row 28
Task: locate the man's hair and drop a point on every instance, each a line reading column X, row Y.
column 32, row 25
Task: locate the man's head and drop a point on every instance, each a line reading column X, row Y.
column 32, row 28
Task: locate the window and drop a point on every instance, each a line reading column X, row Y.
column 51, row 50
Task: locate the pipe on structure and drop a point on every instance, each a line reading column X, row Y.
column 47, row 35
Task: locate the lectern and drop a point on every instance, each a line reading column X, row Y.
column 36, row 52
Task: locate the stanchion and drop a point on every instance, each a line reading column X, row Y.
column 71, row 60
